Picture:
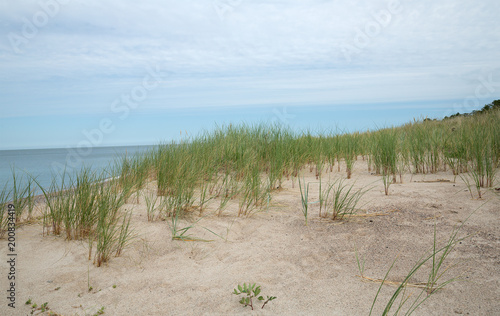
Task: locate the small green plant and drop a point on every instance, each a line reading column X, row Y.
column 304, row 195
column 114, row 286
column 251, row 291
column 100, row 311
column 44, row 307
column 34, row 306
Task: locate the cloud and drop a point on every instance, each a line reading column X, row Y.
column 189, row 36
column 254, row 51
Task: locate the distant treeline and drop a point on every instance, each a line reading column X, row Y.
column 488, row 107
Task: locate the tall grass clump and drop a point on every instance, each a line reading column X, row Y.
column 344, row 199
column 472, row 150
column 177, row 175
column 254, row 192
column 403, row 155
column 133, row 173
column 329, row 149
column 112, row 228
column 350, row 150
column 455, row 152
column 279, row 144
column 319, row 156
column 23, row 195
column 385, row 155
column 483, row 152
column 80, row 221
column 227, row 163
column 417, row 144
column 60, row 203
column 85, row 205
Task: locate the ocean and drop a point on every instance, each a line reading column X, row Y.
column 46, row 164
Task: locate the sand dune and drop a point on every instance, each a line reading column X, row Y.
column 311, row 269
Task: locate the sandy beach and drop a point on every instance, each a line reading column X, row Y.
column 335, row 157
column 312, row 270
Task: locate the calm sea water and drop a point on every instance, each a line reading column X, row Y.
column 47, row 164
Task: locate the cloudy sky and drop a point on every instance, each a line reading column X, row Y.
column 119, row 72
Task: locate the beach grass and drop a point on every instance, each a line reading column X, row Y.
column 304, row 197
column 86, row 205
column 22, row 194
column 344, row 199
column 248, row 163
column 434, row 261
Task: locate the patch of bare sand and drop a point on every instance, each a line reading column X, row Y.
column 311, row 269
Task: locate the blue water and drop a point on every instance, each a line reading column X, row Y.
column 47, row 164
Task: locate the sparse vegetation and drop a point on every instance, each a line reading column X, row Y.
column 304, row 196
column 23, row 195
column 344, row 199
column 100, row 311
column 251, row 291
column 435, row 258
column 246, row 165
column 88, row 207
column 42, row 308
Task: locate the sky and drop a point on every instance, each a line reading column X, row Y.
column 77, row 73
